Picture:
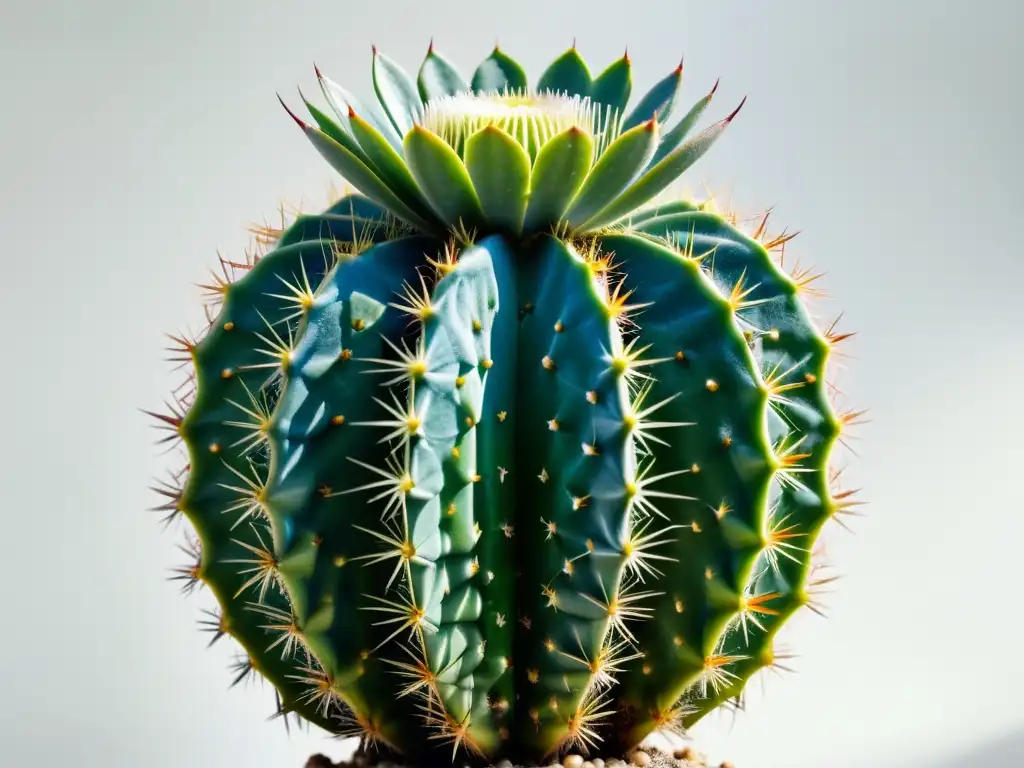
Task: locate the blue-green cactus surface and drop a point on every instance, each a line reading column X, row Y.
column 506, row 454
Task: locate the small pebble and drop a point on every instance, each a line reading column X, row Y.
column 727, row 764
column 639, row 759
column 504, row 764
column 319, row 761
column 572, row 761
column 597, row 762
column 587, row 764
column 614, row 763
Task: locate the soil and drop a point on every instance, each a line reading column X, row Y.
column 645, row 757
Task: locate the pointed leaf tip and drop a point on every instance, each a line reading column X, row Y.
column 736, row 111
column 714, row 87
column 294, row 117
column 319, row 74
column 679, row 68
column 302, row 96
column 430, row 48
column 625, row 55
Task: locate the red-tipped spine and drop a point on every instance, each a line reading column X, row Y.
column 294, row 117
column 735, row 112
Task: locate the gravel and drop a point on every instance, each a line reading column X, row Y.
column 645, row 757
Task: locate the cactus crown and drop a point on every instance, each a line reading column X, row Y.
column 494, row 456
column 496, row 156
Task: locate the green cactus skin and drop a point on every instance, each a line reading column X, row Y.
column 454, row 442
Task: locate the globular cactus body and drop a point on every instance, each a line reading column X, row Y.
column 496, row 456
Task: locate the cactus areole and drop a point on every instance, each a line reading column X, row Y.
column 506, row 454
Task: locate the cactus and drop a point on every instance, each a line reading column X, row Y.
column 455, row 442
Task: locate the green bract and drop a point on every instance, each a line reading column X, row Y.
column 488, row 457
